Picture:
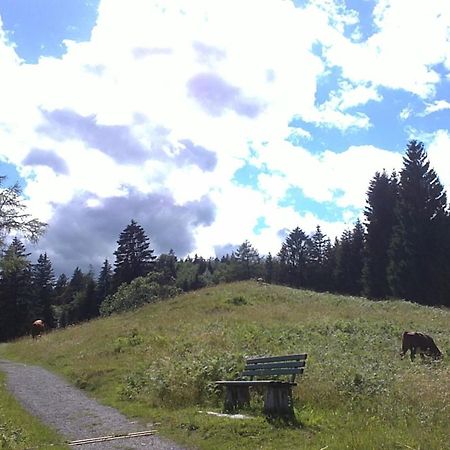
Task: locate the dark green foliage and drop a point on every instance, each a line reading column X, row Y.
column 293, row 258
column 420, row 235
column 43, row 281
column 166, row 265
column 380, row 219
column 269, row 268
column 15, row 292
column 349, row 261
column 247, row 260
column 140, row 291
column 78, row 300
column 318, row 275
column 134, row 258
column 104, row 282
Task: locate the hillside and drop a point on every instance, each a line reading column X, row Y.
column 160, row 363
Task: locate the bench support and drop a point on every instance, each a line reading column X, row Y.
column 236, row 396
column 278, row 401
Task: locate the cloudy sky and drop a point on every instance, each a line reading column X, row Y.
column 211, row 122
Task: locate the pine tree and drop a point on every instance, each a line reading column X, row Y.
column 293, row 258
column 15, row 292
column 317, row 265
column 247, row 258
column 380, row 219
column 104, row 282
column 269, row 268
column 43, row 290
column 133, row 255
column 416, row 245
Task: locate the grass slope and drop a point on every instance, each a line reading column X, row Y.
column 19, row 430
column 160, row 362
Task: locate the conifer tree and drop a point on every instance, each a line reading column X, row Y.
column 247, row 258
column 15, row 291
column 317, row 264
column 417, row 242
column 380, row 219
column 293, row 258
column 134, row 258
column 43, row 290
column 104, row 282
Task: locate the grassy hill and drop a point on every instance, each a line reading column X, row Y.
column 159, row 363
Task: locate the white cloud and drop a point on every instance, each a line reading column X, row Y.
column 226, row 76
column 438, row 105
column 412, row 37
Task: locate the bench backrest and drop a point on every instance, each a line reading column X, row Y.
column 275, row 366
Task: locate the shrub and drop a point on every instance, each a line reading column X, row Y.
column 140, row 291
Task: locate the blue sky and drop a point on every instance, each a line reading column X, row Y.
column 213, row 122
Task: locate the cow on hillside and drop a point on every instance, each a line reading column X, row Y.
column 37, row 328
column 420, row 343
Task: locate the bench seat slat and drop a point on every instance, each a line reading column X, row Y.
column 254, row 382
column 298, row 357
column 275, row 365
column 268, row 372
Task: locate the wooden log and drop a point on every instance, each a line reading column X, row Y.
column 278, row 401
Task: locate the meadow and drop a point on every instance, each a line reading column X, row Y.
column 159, row 363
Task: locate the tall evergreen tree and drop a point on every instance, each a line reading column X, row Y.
column 293, row 258
column 350, row 260
column 416, row 247
column 380, row 219
column 134, row 258
column 15, row 291
column 43, row 290
column 317, row 265
column 247, row 259
column 104, row 282
column 269, row 268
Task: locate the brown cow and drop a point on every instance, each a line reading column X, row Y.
column 421, row 343
column 37, row 328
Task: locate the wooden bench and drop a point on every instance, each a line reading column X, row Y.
column 278, row 393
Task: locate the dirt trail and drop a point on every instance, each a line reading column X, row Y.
column 74, row 415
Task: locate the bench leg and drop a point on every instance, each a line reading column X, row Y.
column 236, row 397
column 278, row 402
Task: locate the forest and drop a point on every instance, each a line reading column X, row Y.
column 399, row 249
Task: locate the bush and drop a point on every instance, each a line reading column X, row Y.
column 140, row 291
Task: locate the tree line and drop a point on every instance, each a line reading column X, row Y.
column 400, row 249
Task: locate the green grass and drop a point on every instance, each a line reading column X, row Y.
column 19, row 430
column 160, row 362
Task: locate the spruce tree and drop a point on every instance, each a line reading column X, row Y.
column 15, row 292
column 416, row 250
column 247, row 258
column 134, row 258
column 317, row 265
column 43, row 290
column 380, row 219
column 293, row 258
column 104, row 282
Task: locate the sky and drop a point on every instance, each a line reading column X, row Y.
column 212, row 122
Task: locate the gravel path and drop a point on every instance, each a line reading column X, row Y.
column 74, row 415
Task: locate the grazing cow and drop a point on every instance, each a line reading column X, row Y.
column 37, row 328
column 421, row 343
